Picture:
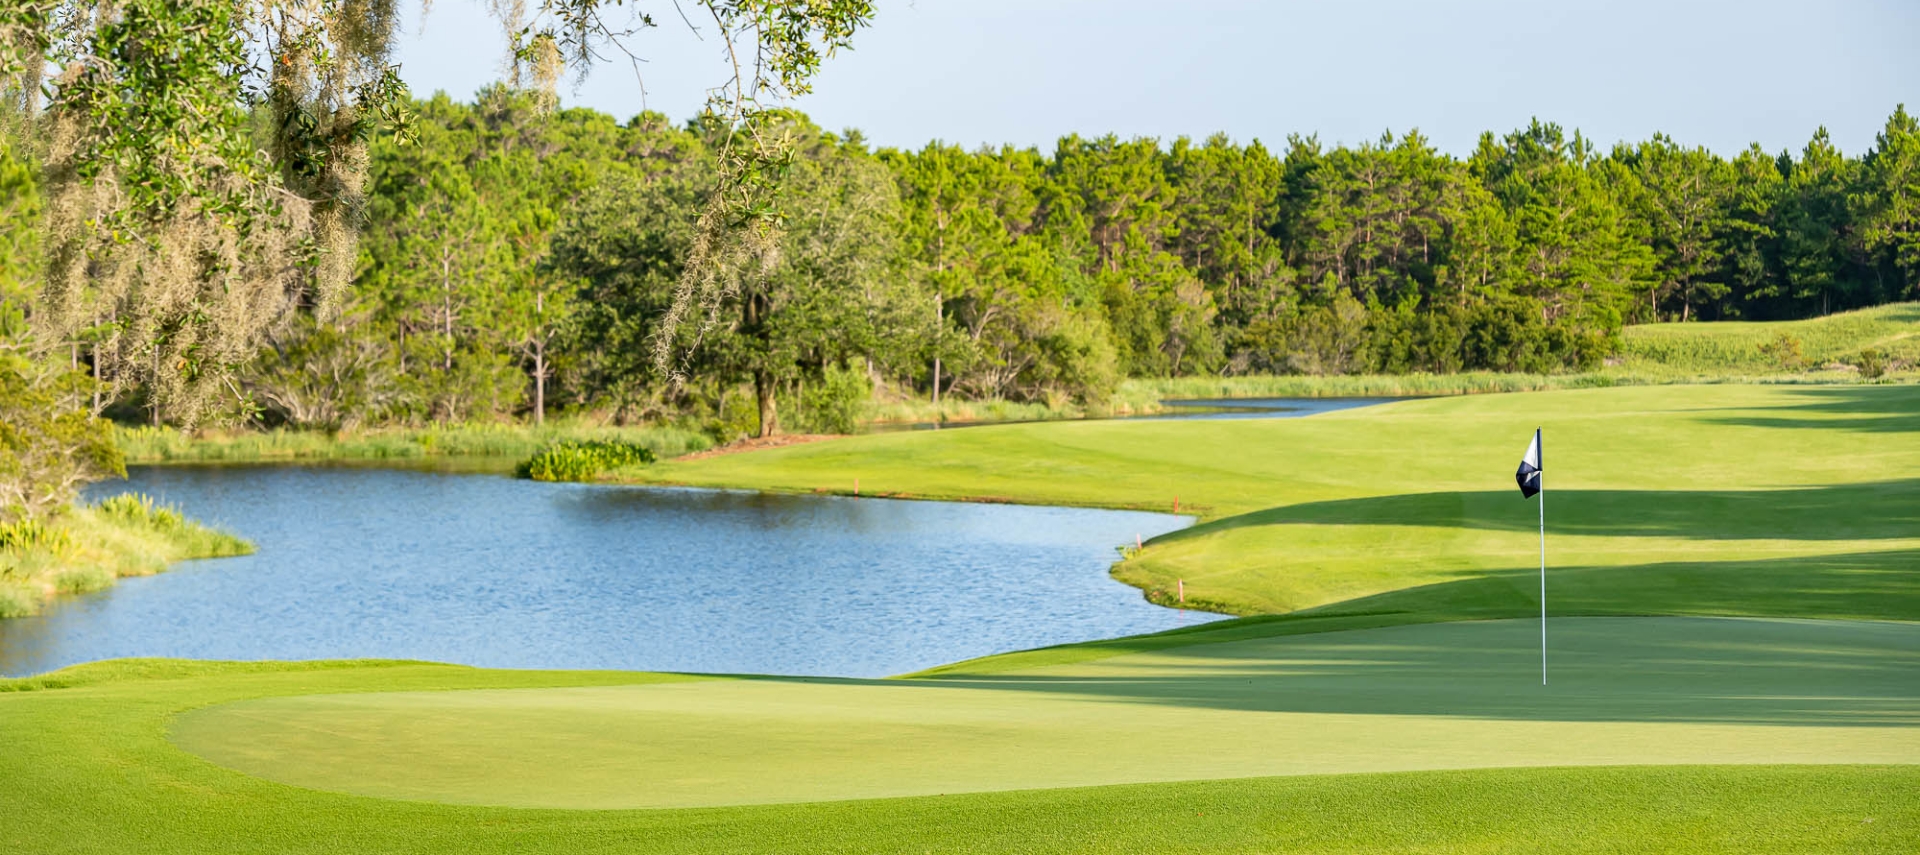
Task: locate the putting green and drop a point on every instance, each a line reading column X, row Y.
column 1442, row 696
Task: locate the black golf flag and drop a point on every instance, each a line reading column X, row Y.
column 1529, row 474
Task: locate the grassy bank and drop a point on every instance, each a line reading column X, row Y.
column 1774, row 348
column 89, row 548
column 497, row 441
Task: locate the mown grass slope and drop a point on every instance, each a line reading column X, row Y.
column 1760, row 500
column 1437, row 696
column 90, row 767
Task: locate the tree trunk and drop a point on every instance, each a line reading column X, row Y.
column 446, row 306
column 153, row 387
column 939, row 334
column 93, row 370
column 540, row 384
column 763, row 391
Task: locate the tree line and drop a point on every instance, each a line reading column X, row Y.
column 518, row 261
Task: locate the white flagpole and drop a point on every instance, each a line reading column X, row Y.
column 1543, row 562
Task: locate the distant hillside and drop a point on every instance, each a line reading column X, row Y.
column 1738, row 347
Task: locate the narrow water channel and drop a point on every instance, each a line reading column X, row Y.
column 485, row 570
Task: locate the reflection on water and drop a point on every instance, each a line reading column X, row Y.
column 489, row 571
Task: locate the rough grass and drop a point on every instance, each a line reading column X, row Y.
column 88, row 548
column 1743, row 348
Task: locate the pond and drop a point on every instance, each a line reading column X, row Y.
column 485, row 570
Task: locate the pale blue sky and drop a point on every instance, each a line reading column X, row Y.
column 1720, row 73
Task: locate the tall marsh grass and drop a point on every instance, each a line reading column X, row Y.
column 164, row 445
column 88, row 548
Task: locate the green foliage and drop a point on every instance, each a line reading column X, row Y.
column 521, row 262
column 1785, row 351
column 582, row 460
column 477, row 446
column 837, row 402
column 139, row 509
column 1872, row 364
column 26, row 533
column 50, row 444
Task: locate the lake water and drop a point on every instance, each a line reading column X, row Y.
column 485, row 570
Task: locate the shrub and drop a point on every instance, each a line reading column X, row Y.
column 50, row 443
column 581, row 460
column 27, row 533
column 138, row 510
column 837, row 402
column 1785, row 351
column 1872, row 363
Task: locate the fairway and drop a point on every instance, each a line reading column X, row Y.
column 1733, row 500
column 1463, row 695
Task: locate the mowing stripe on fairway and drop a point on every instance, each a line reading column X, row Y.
column 1441, row 696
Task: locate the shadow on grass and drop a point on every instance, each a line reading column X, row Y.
column 1857, row 409
column 1699, row 670
column 1877, row 510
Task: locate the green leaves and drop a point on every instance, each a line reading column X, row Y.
column 582, row 460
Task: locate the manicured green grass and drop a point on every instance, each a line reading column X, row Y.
column 1661, row 500
column 96, row 765
column 1439, row 696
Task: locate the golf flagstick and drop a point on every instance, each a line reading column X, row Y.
column 1533, row 483
column 1543, row 576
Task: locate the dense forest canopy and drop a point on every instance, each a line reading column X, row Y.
column 184, row 182
column 517, row 262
